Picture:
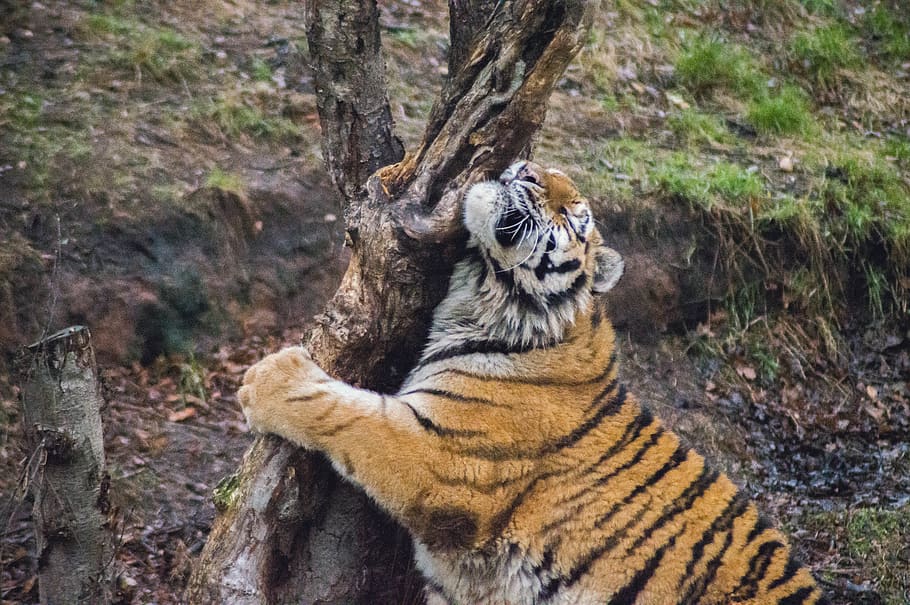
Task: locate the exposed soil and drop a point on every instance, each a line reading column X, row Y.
column 186, row 279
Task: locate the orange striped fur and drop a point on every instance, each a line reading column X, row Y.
column 524, row 469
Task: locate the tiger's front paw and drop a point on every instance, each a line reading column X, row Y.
column 276, row 383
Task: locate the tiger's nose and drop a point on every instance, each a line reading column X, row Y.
column 512, row 172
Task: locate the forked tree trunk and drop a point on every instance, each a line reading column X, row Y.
column 62, row 419
column 290, row 530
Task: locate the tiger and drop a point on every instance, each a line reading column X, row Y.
column 523, row 468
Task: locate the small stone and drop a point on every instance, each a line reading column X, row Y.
column 4, row 40
column 785, row 163
column 22, row 165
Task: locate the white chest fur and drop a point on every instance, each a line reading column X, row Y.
column 505, row 577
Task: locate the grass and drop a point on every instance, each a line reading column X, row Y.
column 226, row 181
column 784, row 112
column 890, row 34
column 42, row 136
column 874, row 539
column 260, row 70
column 825, row 52
column 722, row 185
column 898, row 148
column 159, row 53
column 873, row 204
column 234, row 116
column 709, row 64
column 828, row 8
column 848, row 236
column 694, row 127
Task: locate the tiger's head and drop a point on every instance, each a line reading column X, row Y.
column 537, row 250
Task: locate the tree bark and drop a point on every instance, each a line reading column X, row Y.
column 349, row 68
column 62, row 410
column 292, row 531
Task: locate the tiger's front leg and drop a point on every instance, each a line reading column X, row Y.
column 374, row 440
column 286, row 393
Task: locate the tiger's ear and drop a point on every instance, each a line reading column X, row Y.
column 608, row 268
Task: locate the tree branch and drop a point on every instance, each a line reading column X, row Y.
column 467, row 18
column 487, row 112
column 351, row 94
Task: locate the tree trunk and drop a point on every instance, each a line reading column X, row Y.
column 291, row 531
column 62, row 410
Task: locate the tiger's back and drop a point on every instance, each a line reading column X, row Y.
column 590, row 499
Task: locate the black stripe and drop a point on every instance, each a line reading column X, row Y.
column 499, row 521
column 597, row 315
column 618, row 506
column 603, row 393
column 442, row 431
column 545, row 565
column 529, row 380
column 557, row 298
column 632, row 433
column 471, row 347
column 758, row 567
column 799, row 597
column 473, row 257
column 450, row 395
column 610, row 407
column 495, row 452
column 509, row 226
column 522, row 296
column 341, row 426
column 681, row 504
column 792, row 567
column 304, row 397
column 546, row 266
column 630, row 591
column 761, row 525
column 642, row 451
column 724, row 523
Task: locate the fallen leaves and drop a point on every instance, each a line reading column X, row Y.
column 181, row 415
column 747, row 372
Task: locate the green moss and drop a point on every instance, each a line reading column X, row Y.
column 874, row 204
column 709, row 64
column 824, row 51
column 733, row 183
column 405, row 36
column 226, row 181
column 226, row 493
column 260, row 70
column 167, row 194
column 786, row 112
column 48, row 137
